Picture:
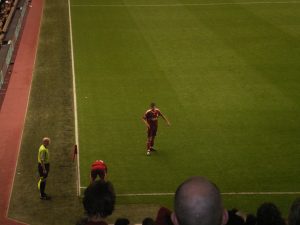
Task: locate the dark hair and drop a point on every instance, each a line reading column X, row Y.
column 163, row 216
column 250, row 220
column 152, row 104
column 234, row 219
column 122, row 221
column 99, row 199
column 294, row 215
column 269, row 214
column 148, row 221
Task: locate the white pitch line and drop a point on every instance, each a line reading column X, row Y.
column 74, row 99
column 189, row 4
column 263, row 193
column 224, row 193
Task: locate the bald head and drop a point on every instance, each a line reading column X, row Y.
column 198, row 202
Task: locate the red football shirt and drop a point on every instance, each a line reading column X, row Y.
column 151, row 116
column 99, row 165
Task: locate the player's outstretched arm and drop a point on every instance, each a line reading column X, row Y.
column 146, row 122
column 165, row 119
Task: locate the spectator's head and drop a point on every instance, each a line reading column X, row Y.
column 163, row 217
column 148, row 221
column 198, row 202
column 269, row 214
column 234, row 218
column 294, row 215
column 99, row 200
column 250, row 220
column 122, row 221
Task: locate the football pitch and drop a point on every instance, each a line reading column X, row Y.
column 225, row 73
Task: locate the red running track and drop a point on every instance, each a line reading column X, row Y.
column 14, row 107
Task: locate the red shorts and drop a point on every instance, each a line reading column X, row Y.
column 152, row 131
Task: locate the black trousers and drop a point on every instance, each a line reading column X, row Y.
column 43, row 176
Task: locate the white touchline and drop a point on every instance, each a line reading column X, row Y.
column 74, row 99
column 224, row 193
column 190, row 4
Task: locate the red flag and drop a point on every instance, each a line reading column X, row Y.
column 74, row 152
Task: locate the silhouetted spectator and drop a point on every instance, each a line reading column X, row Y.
column 250, row 220
column 294, row 215
column 163, row 217
column 198, row 202
column 234, row 218
column 99, row 202
column 269, row 214
column 122, row 221
column 148, row 221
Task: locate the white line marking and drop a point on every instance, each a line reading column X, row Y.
column 189, row 4
column 74, row 99
column 263, row 193
column 224, row 193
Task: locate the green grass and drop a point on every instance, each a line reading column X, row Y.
column 225, row 75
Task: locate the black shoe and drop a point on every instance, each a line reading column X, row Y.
column 153, row 150
column 45, row 197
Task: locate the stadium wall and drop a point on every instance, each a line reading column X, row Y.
column 11, row 38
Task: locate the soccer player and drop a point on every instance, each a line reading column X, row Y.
column 150, row 118
column 98, row 168
column 43, row 167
